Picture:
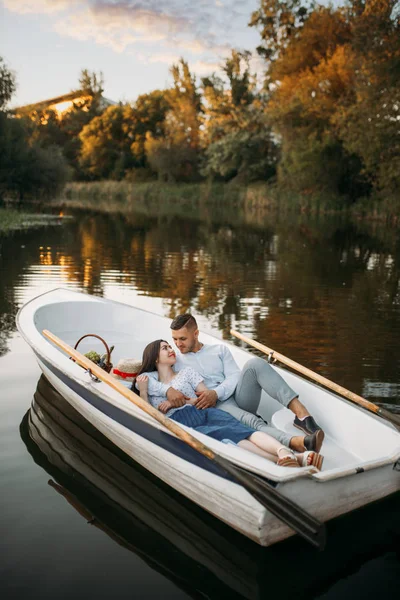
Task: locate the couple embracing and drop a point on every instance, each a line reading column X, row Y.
column 202, row 387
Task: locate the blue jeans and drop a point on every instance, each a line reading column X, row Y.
column 213, row 422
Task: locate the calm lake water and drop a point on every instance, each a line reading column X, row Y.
column 325, row 293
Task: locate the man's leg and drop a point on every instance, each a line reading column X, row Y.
column 300, row 443
column 252, row 420
column 258, row 375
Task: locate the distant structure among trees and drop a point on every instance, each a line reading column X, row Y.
column 62, row 104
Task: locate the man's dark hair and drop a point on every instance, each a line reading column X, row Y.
column 185, row 320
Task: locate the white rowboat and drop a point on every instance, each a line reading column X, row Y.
column 361, row 450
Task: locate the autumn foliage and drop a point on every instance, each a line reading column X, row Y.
column 321, row 114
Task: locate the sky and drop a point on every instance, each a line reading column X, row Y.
column 46, row 43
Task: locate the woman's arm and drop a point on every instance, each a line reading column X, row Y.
column 142, row 383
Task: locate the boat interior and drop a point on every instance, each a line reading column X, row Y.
column 354, row 438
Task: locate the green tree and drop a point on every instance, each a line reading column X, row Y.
column 312, row 70
column 26, row 168
column 246, row 152
column 370, row 125
column 105, row 145
column 279, row 23
column 7, row 84
column 176, row 156
column 236, row 137
column 333, row 78
column 113, row 144
column 225, row 105
column 89, row 106
column 149, row 113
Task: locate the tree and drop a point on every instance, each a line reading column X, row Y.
column 48, row 128
column 176, row 156
column 242, row 83
column 171, row 159
column 247, row 152
column 370, row 125
column 310, row 75
column 7, row 84
column 113, row 144
column 225, row 105
column 26, row 168
column 86, row 108
column 105, row 144
column 236, row 137
column 149, row 112
column 184, row 102
column 333, row 79
column 279, row 24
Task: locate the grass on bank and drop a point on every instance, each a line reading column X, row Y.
column 13, row 220
column 112, row 196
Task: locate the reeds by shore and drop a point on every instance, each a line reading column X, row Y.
column 114, row 195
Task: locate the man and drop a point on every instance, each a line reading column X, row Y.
column 235, row 392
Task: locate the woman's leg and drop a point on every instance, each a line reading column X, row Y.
column 284, row 456
column 268, row 443
column 309, row 459
column 248, row 445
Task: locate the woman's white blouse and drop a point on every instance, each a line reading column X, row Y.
column 185, row 381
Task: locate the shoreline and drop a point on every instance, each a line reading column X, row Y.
column 116, row 196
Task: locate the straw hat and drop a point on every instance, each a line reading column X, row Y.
column 127, row 369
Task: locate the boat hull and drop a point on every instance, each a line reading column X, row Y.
column 361, row 451
column 228, row 501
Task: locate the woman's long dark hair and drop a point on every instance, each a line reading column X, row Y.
column 150, row 357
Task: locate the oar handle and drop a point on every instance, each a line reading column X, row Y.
column 338, row 389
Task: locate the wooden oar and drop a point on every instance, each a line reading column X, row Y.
column 284, row 509
column 382, row 412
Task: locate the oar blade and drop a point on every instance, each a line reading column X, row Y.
column 290, row 513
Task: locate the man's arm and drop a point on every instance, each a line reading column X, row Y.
column 156, row 388
column 205, row 398
column 232, row 374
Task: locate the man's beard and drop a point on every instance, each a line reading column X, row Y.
column 191, row 347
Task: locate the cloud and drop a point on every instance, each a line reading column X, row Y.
column 204, row 28
column 38, row 6
column 202, row 67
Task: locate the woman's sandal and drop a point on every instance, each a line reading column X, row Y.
column 289, row 460
column 316, row 460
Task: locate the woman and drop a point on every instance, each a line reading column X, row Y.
column 159, row 356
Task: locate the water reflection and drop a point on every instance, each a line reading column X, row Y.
column 324, row 292
column 176, row 538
